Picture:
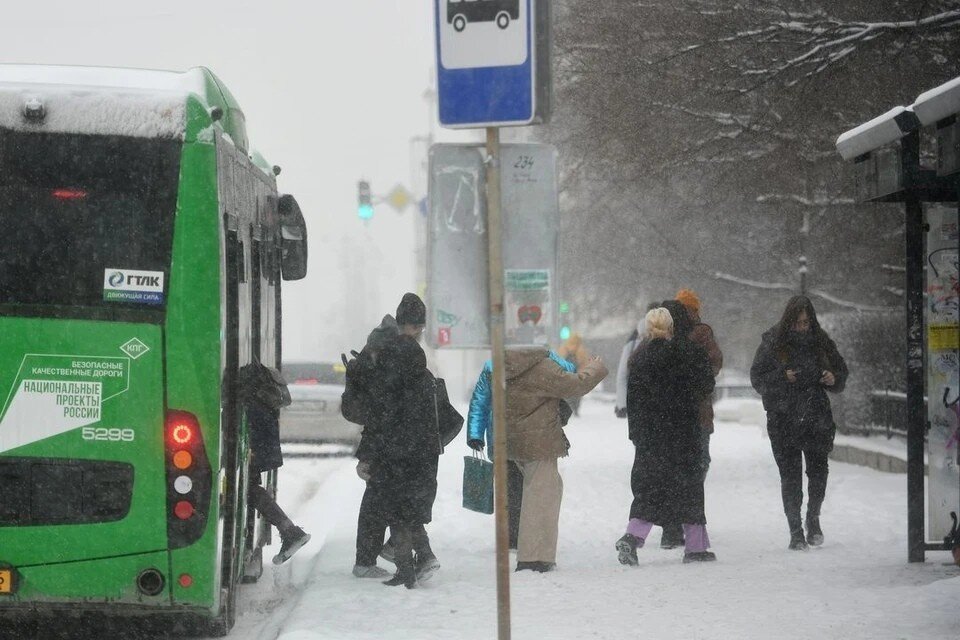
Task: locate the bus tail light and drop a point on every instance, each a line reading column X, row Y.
column 183, row 510
column 182, row 459
column 181, row 433
column 189, row 479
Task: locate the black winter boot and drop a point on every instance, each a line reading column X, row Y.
column 814, row 533
column 426, row 567
column 406, row 569
column 699, row 556
column 291, row 540
column 406, row 574
column 627, row 549
column 797, row 540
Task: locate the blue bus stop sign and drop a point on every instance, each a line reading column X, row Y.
column 493, row 62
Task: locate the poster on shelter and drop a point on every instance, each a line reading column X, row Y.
column 942, row 322
column 528, row 303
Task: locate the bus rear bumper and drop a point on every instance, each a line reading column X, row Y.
column 98, row 620
column 129, row 586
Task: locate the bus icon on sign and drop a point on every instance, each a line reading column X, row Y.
column 460, row 12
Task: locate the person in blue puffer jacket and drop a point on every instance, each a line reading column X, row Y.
column 480, row 431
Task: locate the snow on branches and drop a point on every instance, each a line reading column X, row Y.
column 814, row 43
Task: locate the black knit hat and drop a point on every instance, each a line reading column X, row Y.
column 411, row 310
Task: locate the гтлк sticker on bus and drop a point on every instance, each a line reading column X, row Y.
column 128, row 285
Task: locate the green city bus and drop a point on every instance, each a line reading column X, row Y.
column 141, row 261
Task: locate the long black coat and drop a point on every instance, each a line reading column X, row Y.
column 798, row 413
column 404, row 434
column 668, row 379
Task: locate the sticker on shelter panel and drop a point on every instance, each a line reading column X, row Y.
column 482, row 33
column 457, row 191
column 528, row 303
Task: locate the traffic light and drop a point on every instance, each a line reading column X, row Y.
column 364, row 203
column 564, row 309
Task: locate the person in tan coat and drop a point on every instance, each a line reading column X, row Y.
column 535, row 440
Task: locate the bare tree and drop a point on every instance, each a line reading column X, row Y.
column 697, row 138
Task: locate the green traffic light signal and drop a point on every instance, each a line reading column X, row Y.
column 364, row 202
column 564, row 333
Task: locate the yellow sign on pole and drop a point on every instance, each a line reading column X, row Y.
column 399, row 198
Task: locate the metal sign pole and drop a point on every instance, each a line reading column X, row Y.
column 495, row 253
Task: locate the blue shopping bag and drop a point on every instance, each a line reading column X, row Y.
column 477, row 484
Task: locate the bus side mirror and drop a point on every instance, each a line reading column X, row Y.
column 293, row 239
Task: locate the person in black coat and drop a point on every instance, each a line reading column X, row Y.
column 668, row 379
column 408, row 420
column 370, row 400
column 795, row 366
column 682, row 326
column 262, row 392
column 359, row 404
column 407, row 453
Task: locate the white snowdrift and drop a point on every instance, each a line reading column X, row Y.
column 857, row 586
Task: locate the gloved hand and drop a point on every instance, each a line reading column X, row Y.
column 620, row 412
column 476, row 445
column 363, row 470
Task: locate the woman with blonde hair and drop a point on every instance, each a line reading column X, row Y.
column 668, row 379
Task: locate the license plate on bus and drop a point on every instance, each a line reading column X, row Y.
column 6, row 581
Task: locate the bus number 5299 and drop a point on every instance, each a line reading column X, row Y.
column 108, row 435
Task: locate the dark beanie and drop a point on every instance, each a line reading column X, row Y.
column 411, row 310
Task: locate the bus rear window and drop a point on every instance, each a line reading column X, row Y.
column 75, row 209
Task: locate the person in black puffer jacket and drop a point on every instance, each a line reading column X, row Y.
column 794, row 367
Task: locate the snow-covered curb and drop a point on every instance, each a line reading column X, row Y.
column 878, row 453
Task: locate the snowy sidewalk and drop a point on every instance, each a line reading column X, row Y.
column 858, row 585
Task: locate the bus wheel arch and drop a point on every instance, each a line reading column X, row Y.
column 459, row 22
column 503, row 19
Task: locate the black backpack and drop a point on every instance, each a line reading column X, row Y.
column 263, row 385
column 355, row 401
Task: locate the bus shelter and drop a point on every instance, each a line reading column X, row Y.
column 911, row 155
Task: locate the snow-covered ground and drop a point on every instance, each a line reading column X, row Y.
column 858, row 585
